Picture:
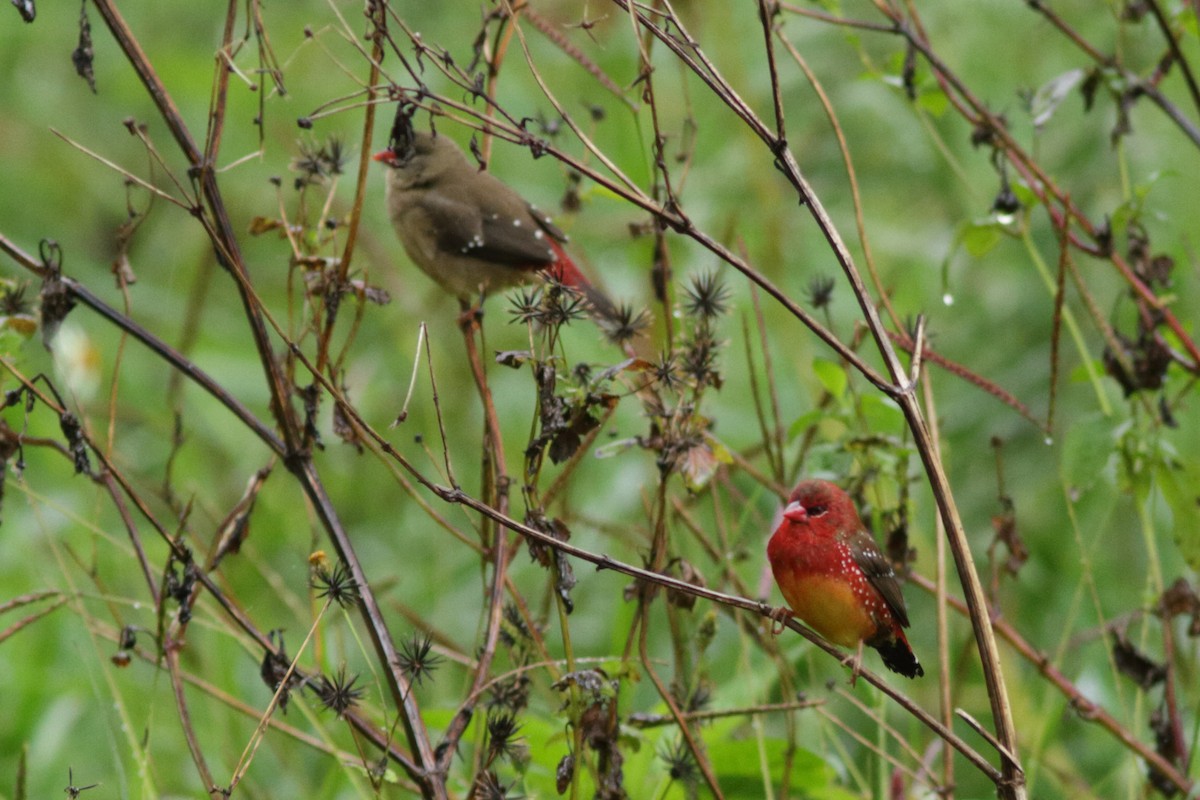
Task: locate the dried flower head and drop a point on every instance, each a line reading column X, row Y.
column 706, row 296
column 416, row 658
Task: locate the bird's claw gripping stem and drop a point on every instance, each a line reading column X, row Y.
column 779, row 617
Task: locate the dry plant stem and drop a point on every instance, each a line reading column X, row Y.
column 646, row 594
column 686, row 50
column 493, row 454
column 978, row 727
column 378, row 24
column 171, row 655
column 772, row 387
column 868, row 745
column 437, row 409
column 605, row 562
column 694, row 746
column 164, row 351
column 111, row 474
column 1104, row 61
column 317, row 744
column 883, row 725
column 398, row 682
column 32, row 618
column 1170, row 696
column 1064, row 255
column 20, row 601
column 945, row 696
column 265, row 717
column 905, row 343
column 296, row 459
column 645, row 722
column 977, row 113
column 1087, row 710
column 109, row 470
column 555, row 35
column 851, row 174
column 1052, row 197
column 1012, row 784
column 1184, row 66
column 352, row 716
column 774, row 458
column 457, row 496
column 135, row 538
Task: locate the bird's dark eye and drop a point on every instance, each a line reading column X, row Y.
column 816, row 511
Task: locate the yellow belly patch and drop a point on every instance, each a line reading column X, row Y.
column 829, row 606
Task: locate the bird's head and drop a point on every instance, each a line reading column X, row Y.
column 817, row 500
column 422, row 159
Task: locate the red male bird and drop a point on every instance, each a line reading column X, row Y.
column 835, row 578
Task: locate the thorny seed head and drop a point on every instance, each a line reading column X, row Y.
column 626, row 323
column 502, row 729
column 514, row 630
column 511, row 694
column 338, row 693
column 488, row 787
column 581, row 373
column 700, row 362
column 700, row 698
column 680, row 762
column 416, row 659
column 820, row 291
column 551, row 305
column 316, row 163
column 707, row 296
column 526, row 305
column 13, row 301
column 562, row 305
column 336, row 584
column 666, row 373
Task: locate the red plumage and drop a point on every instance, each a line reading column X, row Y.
column 836, row 579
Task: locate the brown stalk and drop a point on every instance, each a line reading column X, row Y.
column 1088, row 710
column 297, row 460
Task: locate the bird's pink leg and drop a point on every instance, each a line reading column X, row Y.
column 854, row 662
column 779, row 617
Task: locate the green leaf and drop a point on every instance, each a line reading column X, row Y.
column 881, row 414
column 980, row 238
column 805, row 421
column 742, row 756
column 1088, row 452
column 933, row 100
column 1179, row 490
column 1025, row 194
column 832, row 376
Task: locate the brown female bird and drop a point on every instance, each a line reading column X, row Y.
column 465, row 228
column 835, row 578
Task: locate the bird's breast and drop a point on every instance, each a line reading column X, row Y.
column 826, row 588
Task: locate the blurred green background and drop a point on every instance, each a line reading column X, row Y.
column 1105, row 502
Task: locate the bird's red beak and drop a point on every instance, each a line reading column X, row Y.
column 795, row 512
column 385, row 157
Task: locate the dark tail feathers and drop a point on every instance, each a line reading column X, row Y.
column 898, row 656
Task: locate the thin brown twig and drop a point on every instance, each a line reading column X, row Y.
column 899, row 388
column 228, row 251
column 170, row 654
column 1087, row 709
column 25, row 622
